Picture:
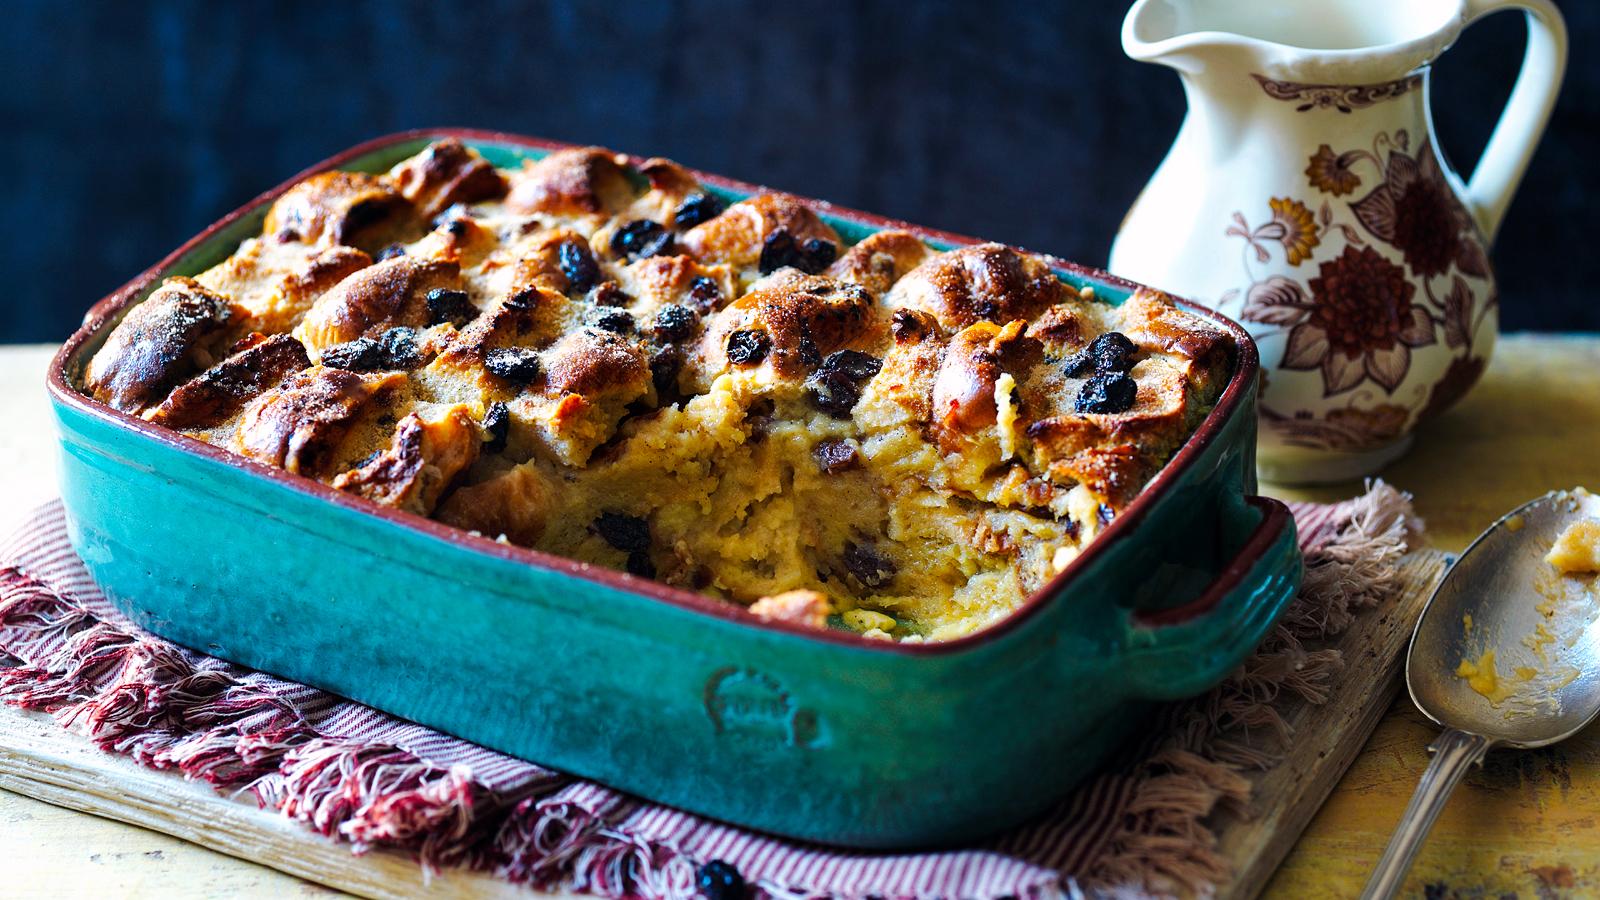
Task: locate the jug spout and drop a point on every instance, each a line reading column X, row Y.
column 1334, row 41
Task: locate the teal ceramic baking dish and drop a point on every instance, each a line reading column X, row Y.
column 667, row 694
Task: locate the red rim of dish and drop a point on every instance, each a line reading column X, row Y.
column 1244, row 375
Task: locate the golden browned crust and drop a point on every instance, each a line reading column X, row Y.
column 584, row 181
column 334, row 208
column 880, row 260
column 590, row 362
column 988, row 282
column 422, row 460
column 604, row 366
column 974, row 360
column 257, row 363
column 513, row 503
column 382, row 296
column 297, row 424
column 160, row 341
column 445, row 174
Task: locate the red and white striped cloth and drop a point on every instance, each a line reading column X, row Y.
column 355, row 773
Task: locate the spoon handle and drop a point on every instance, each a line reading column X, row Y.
column 1453, row 754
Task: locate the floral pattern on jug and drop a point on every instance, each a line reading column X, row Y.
column 1386, row 272
column 1304, row 196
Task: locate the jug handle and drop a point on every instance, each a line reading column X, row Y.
column 1511, row 146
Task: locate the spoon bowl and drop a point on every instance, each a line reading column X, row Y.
column 1506, row 653
column 1504, row 587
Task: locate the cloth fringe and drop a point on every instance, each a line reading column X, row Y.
column 172, row 709
column 1163, row 846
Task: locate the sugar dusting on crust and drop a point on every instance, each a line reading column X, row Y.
column 652, row 352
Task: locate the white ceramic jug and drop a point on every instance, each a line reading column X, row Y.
column 1306, row 197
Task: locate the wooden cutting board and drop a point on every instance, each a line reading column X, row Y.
column 40, row 760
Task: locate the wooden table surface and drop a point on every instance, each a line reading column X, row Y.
column 1525, row 825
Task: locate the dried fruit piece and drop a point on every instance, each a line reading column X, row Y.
column 614, row 320
column 705, row 294
column 836, row 455
column 578, row 264
column 609, row 294
column 360, row 355
column 836, row 386
column 400, row 349
column 697, row 208
column 674, row 323
column 748, row 348
column 868, row 565
column 1110, row 352
column 641, row 239
column 447, row 305
column 497, row 422
column 624, row 532
column 1105, row 393
column 394, row 349
column 780, row 249
column 640, row 564
column 515, row 364
column 664, row 367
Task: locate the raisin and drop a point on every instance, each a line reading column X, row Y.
column 578, row 264
column 664, row 367
column 390, row 252
column 516, row 364
column 1106, row 392
column 624, row 532
column 833, row 393
column 497, row 421
column 718, row 880
column 1110, row 352
column 705, row 294
column 400, row 350
column 853, row 363
column 780, row 249
column 641, row 239
column 810, row 356
column 835, row 456
column 696, row 208
column 674, row 323
column 905, row 325
column 614, row 320
column 446, row 305
column 819, row 255
column 835, row 388
column 868, row 565
column 748, row 348
column 360, row 355
column 609, row 294
column 639, row 564
column 527, row 298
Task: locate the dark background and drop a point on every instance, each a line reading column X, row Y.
column 128, row 128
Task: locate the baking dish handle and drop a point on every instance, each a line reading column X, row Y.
column 1183, row 650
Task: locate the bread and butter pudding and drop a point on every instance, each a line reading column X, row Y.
column 611, row 363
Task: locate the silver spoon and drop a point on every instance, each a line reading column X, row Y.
column 1500, row 582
